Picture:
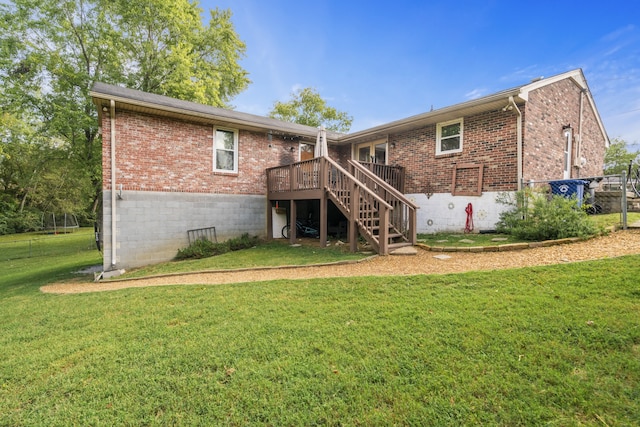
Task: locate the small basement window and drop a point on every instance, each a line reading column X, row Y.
column 225, row 150
column 449, row 137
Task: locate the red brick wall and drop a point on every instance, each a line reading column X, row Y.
column 547, row 110
column 341, row 154
column 488, row 138
column 162, row 154
column 593, row 143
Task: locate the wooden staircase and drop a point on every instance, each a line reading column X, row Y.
column 379, row 213
column 375, row 210
column 401, row 225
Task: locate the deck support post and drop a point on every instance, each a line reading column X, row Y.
column 269, row 220
column 324, row 166
column 293, row 215
column 323, row 220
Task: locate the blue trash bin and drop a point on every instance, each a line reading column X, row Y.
column 568, row 188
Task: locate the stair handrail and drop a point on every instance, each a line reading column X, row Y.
column 403, row 219
column 389, row 188
column 358, row 183
column 359, row 192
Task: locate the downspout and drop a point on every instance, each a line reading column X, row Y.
column 578, row 160
column 519, row 141
column 112, row 114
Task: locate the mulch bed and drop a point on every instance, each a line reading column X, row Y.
column 616, row 244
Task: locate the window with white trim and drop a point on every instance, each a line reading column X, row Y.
column 371, row 152
column 449, row 137
column 225, row 150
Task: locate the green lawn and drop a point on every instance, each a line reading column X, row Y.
column 495, row 239
column 53, row 258
column 466, row 240
column 267, row 254
column 541, row 346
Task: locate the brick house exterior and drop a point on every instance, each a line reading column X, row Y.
column 548, row 109
column 172, row 174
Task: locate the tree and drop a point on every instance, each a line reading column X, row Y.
column 617, row 158
column 53, row 51
column 307, row 107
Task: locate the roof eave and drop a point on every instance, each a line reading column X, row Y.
column 488, row 103
column 230, row 118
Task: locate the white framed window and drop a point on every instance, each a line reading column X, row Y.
column 449, row 137
column 225, row 150
column 371, row 152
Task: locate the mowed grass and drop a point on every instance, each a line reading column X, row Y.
column 266, row 254
column 466, row 240
column 54, row 257
column 494, row 239
column 541, row 346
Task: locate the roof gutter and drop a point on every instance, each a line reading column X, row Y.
column 228, row 120
column 430, row 117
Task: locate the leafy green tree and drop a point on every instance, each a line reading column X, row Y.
column 307, row 107
column 617, row 157
column 37, row 172
column 53, row 51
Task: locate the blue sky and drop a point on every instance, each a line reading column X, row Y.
column 386, row 60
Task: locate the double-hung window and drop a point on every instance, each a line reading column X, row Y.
column 225, row 150
column 449, row 137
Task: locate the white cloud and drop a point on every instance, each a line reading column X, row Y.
column 614, row 35
column 522, row 75
column 475, row 93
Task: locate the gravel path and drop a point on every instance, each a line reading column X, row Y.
column 425, row 262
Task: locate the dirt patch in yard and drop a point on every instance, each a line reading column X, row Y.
column 425, row 262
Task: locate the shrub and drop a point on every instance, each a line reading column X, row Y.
column 536, row 216
column 243, row 242
column 203, row 248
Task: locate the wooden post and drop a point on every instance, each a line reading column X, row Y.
column 269, row 220
column 291, row 178
column 413, row 226
column 323, row 202
column 292, row 221
column 353, row 225
column 383, row 233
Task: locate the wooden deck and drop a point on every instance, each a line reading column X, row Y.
column 373, row 208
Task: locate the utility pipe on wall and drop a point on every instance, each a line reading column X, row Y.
column 578, row 160
column 112, row 117
column 519, row 137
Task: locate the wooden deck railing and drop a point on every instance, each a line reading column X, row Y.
column 378, row 210
column 361, row 205
column 403, row 218
column 392, row 175
column 299, row 176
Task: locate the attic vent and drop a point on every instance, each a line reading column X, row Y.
column 537, row 79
